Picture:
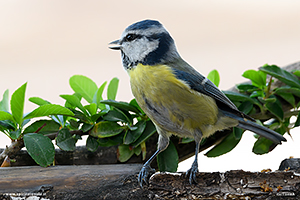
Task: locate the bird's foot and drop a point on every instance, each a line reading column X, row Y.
column 191, row 173
column 145, row 174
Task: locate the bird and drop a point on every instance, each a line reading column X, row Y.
column 178, row 99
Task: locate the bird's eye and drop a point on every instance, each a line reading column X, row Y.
column 130, row 37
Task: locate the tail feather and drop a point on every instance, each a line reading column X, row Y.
column 256, row 128
column 262, row 131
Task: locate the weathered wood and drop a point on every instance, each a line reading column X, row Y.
column 229, row 185
column 72, row 182
column 120, row 182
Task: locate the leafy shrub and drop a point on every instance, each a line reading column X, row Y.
column 110, row 122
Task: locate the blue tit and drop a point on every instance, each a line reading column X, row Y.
column 177, row 98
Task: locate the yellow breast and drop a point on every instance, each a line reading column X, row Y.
column 166, row 99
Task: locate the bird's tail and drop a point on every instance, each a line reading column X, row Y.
column 262, row 131
column 256, row 128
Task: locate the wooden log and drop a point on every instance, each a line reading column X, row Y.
column 71, row 182
column 120, row 182
column 236, row 184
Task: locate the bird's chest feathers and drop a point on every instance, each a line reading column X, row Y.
column 150, row 81
column 168, row 100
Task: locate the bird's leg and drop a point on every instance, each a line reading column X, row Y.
column 194, row 169
column 147, row 171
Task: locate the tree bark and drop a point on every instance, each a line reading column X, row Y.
column 120, row 182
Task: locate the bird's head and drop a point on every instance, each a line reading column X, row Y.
column 146, row 42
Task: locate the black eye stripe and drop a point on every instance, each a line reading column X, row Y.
column 130, row 37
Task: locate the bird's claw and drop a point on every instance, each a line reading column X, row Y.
column 145, row 174
column 191, row 173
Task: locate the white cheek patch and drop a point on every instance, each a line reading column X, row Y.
column 137, row 50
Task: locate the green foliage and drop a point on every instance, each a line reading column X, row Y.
column 65, row 141
column 226, row 145
column 109, row 122
column 214, row 77
column 83, row 86
column 168, row 159
column 17, row 104
column 4, row 103
column 265, row 101
column 40, row 148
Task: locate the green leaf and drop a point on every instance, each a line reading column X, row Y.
column 74, row 100
column 238, row 133
column 112, row 88
column 40, row 148
column 49, row 109
column 168, row 159
column 245, row 87
column 99, row 115
column 297, row 73
column 258, row 78
column 288, row 90
column 98, row 95
column 124, row 152
column 17, row 103
column 4, row 103
column 246, row 107
column 86, row 127
column 214, row 77
column 84, row 86
column 39, row 101
column 65, row 141
column 132, row 136
column 135, row 104
column 289, row 98
column 4, row 125
column 121, row 105
column 262, row 146
column 15, row 134
column 282, row 75
column 106, row 129
column 111, row 141
column 271, row 99
column 43, row 127
column 115, row 116
column 137, row 150
column 275, row 108
column 92, row 108
column 148, row 132
column 257, row 93
column 234, row 96
column 79, row 115
column 225, row 146
column 6, row 116
column 92, row 144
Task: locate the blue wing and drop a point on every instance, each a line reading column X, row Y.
column 203, row 85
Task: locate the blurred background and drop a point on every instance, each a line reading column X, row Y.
column 44, row 43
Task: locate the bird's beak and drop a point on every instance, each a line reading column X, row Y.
column 115, row 45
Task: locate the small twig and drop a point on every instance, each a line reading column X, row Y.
column 38, row 130
column 268, row 93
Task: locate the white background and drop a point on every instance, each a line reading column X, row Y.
column 44, row 43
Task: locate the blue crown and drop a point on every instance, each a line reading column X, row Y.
column 142, row 25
